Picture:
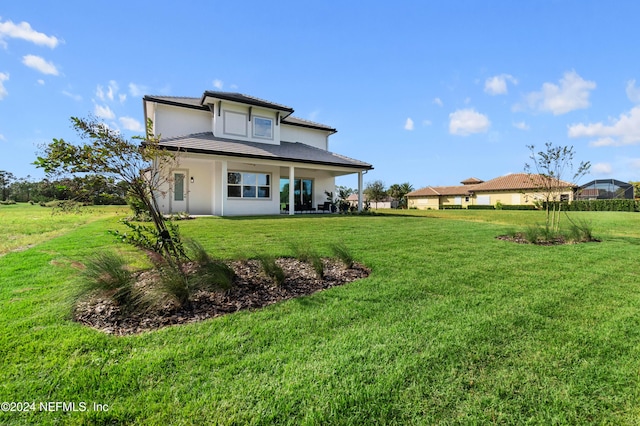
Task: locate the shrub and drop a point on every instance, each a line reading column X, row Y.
column 7, row 202
column 307, row 255
column 480, row 207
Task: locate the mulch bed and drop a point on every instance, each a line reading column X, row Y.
column 251, row 290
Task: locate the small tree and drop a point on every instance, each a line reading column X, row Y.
column 375, row 191
column 6, row 178
column 399, row 193
column 141, row 166
column 550, row 166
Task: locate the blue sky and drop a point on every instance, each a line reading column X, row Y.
column 430, row 93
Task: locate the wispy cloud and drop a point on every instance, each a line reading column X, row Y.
column 137, row 90
column 408, row 125
column 437, row 101
column 73, row 96
column 521, row 125
column 108, row 93
column 103, row 111
column 625, row 130
column 465, row 122
column 39, row 64
column 602, row 168
column 131, row 124
column 3, row 90
column 633, row 92
column 218, row 84
column 2, row 138
column 24, row 31
column 570, row 94
column 497, row 85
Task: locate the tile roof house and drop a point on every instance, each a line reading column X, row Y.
column 511, row 189
column 238, row 155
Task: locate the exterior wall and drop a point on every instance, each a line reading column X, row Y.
column 457, row 200
column 316, row 138
column 233, row 122
column 516, row 198
column 170, row 121
column 424, row 203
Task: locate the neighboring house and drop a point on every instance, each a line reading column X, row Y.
column 511, row 189
column 238, row 155
column 387, row 203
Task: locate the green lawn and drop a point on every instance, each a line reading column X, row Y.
column 452, row 327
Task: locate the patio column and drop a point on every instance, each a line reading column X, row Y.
column 359, row 191
column 223, row 195
column 292, row 175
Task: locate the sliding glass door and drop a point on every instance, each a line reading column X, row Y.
column 302, row 192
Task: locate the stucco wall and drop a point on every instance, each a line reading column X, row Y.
column 171, row 121
column 307, row 136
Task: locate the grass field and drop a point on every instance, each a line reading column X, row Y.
column 452, row 327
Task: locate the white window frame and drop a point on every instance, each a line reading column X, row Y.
column 267, row 133
column 257, row 185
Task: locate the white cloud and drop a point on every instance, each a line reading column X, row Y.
column 218, row 84
column 601, row 168
column 136, row 90
column 437, row 101
column 633, row 92
column 122, row 97
column 3, row 90
column 75, row 97
column 131, row 124
column 408, row 125
column 39, row 64
column 40, row 82
column 622, row 131
column 2, row 138
column 572, row 93
column 24, row 31
column 110, row 93
column 464, row 122
column 104, row 112
column 521, row 125
column 497, row 85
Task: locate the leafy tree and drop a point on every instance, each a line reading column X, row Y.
column 550, row 166
column 108, row 153
column 399, row 192
column 375, row 191
column 636, row 189
column 5, row 181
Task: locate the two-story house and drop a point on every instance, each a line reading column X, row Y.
column 240, row 155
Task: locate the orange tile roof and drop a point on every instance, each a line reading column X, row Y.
column 510, row 182
column 516, row 181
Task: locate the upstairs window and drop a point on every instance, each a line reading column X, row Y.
column 262, row 127
column 248, row 185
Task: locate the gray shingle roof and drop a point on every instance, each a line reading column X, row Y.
column 191, row 102
column 244, row 99
column 206, row 143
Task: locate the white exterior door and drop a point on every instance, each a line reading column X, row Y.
column 180, row 196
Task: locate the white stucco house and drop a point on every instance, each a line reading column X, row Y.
column 238, row 155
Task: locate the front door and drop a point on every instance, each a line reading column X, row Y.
column 180, row 194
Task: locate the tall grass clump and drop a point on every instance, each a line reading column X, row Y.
column 108, row 272
column 342, row 252
column 271, row 269
column 211, row 274
column 308, row 255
